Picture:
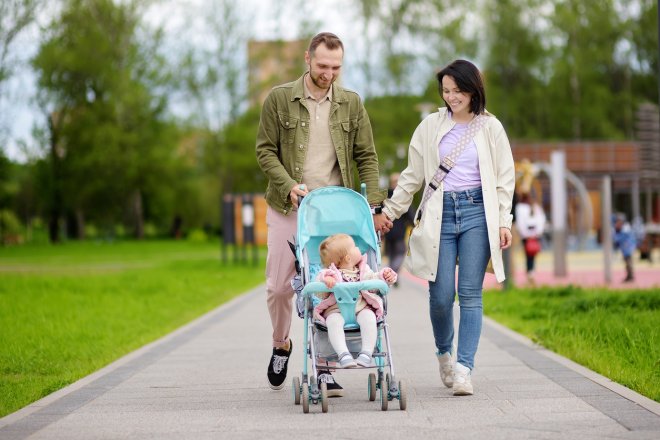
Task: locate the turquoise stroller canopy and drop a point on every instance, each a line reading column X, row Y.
column 331, row 210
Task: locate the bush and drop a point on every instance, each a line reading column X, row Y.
column 91, row 231
column 10, row 228
column 150, row 230
column 197, row 236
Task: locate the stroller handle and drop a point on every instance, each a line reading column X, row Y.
column 347, row 287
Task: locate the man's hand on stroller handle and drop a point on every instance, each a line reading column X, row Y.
column 298, row 191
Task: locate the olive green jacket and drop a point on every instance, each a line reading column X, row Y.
column 283, row 138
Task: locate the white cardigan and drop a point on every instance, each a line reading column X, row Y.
column 497, row 182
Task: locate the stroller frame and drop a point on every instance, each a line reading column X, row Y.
column 305, row 388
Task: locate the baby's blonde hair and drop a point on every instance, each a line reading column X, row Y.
column 334, row 248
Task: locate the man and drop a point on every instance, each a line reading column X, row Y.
column 311, row 131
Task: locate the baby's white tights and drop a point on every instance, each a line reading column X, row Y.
column 368, row 331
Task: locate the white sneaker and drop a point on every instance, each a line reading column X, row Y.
column 346, row 360
column 462, row 382
column 446, row 369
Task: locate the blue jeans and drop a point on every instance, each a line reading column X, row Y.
column 464, row 235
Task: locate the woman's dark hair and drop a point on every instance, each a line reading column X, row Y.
column 468, row 79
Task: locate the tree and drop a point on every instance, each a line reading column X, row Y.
column 587, row 83
column 110, row 142
column 514, row 65
column 644, row 38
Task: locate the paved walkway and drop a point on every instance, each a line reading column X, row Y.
column 207, row 381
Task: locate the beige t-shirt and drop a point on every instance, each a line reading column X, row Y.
column 321, row 167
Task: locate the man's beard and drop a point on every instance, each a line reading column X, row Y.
column 316, row 83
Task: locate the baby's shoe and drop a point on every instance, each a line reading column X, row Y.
column 346, row 360
column 364, row 359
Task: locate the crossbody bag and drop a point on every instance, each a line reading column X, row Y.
column 449, row 161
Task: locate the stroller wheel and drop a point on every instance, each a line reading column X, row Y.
column 372, row 387
column 384, row 389
column 296, row 391
column 403, row 398
column 324, row 397
column 305, row 397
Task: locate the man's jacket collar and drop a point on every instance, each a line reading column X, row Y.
column 298, row 91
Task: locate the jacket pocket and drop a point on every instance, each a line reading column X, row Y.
column 288, row 129
column 349, row 129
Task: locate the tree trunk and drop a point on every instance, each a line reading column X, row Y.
column 138, row 215
column 80, row 224
column 55, row 193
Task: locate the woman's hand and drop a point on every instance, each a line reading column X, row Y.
column 382, row 223
column 505, row 238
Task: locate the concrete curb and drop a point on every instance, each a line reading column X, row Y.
column 619, row 389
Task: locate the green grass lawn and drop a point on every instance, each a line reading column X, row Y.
column 68, row 310
column 615, row 333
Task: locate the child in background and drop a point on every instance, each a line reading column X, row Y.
column 343, row 262
column 625, row 240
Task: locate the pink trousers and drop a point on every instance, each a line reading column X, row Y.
column 280, row 268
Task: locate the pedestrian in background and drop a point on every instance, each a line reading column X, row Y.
column 624, row 239
column 530, row 223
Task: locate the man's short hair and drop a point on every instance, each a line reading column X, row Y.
column 330, row 40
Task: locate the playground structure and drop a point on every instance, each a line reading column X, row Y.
column 581, row 217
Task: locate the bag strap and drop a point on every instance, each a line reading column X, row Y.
column 449, row 161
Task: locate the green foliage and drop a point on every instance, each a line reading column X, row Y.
column 100, row 85
column 614, row 333
column 569, row 70
column 644, row 35
column 393, row 121
column 514, row 93
column 113, row 155
column 11, row 229
column 197, row 236
column 68, row 310
column 238, row 166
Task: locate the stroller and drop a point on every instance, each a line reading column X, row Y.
column 323, row 212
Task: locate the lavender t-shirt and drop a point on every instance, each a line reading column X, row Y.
column 465, row 174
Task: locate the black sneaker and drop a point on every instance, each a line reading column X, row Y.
column 277, row 366
column 334, row 389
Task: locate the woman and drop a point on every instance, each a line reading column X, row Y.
column 530, row 222
column 467, row 219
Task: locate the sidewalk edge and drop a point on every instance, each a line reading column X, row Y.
column 619, row 389
column 127, row 358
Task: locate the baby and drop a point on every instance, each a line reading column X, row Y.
column 344, row 262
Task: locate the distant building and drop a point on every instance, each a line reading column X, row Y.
column 634, row 191
column 271, row 63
